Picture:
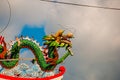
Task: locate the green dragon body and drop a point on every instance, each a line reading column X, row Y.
column 45, row 65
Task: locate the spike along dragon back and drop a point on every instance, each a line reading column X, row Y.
column 47, row 57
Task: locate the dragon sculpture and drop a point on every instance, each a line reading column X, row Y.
column 47, row 57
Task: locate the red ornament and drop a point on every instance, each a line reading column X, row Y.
column 1, row 39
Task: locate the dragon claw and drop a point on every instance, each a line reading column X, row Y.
column 71, row 53
column 1, row 39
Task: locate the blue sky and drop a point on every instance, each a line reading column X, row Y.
column 34, row 31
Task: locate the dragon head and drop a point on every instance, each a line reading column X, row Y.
column 59, row 39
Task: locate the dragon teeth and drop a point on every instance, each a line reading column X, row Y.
column 38, row 44
column 40, row 48
column 34, row 41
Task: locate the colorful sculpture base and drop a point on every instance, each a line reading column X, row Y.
column 58, row 76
